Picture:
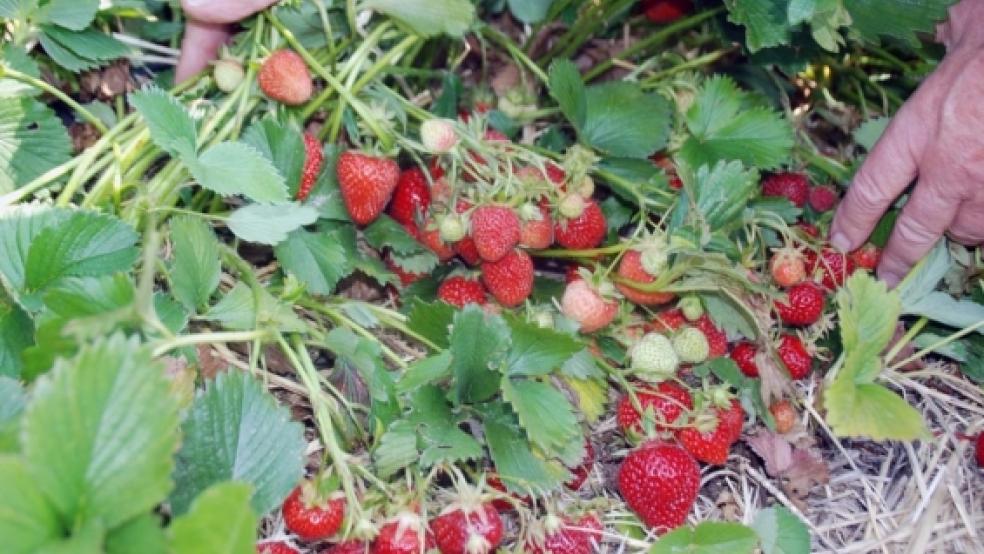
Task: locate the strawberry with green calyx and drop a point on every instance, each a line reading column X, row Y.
column 469, row 523
column 788, row 267
column 713, row 432
column 583, row 232
column 430, row 236
column 284, row 77
column 744, row 354
column 411, row 197
column 664, row 403
column 314, row 157
column 866, row 257
column 366, row 183
column 643, row 264
column 510, row 279
column 653, row 358
column 565, row 535
column 795, row 356
column 275, row 547
column 691, row 345
column 228, row 72
column 402, row 534
column 660, row 482
column 315, row 510
column 795, row 187
column 536, row 227
column 784, row 414
column 459, row 291
column 495, row 230
column 438, row 135
column 590, row 305
column 803, row 305
column 829, row 267
column 691, row 307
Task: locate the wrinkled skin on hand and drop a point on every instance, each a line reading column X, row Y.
column 937, row 138
column 208, row 28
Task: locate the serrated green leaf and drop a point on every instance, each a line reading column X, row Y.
column 172, row 313
column 727, row 316
column 71, row 14
column 478, row 343
column 19, row 226
column 871, row 411
column 325, row 195
column 170, row 126
column 27, row 521
column 623, row 121
column 425, row 371
column 514, row 461
column 282, row 144
column 100, row 432
column 32, row 141
column 219, row 522
column 236, row 168
column 432, row 320
column 76, row 297
column 781, row 532
column 16, row 334
column 366, row 357
column 591, row 396
column 428, row 17
column 196, row 268
column 898, row 19
column 270, row 223
column 12, row 403
column 529, row 11
column 385, row 232
column 238, row 311
column 80, row 50
column 18, row 9
column 436, row 439
column 868, row 313
column 709, row 537
column 319, row 260
column 85, row 244
column 142, row 534
column 720, row 194
column 724, row 125
column 15, row 57
column 397, row 449
column 235, row 430
column 766, row 21
column 567, row 88
column 581, row 366
column 776, row 206
column 543, row 412
column 537, row 350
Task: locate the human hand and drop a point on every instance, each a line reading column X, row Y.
column 208, row 28
column 937, row 137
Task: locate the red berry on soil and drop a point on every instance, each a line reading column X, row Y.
column 795, row 356
column 784, row 414
column 582, row 232
column 495, row 230
column 666, row 11
column 366, row 183
column 660, row 481
column 411, row 198
column 713, row 446
column 823, row 198
column 667, row 401
column 310, row 518
column 314, row 156
column 787, row 267
column 866, row 257
column 275, row 547
column 744, row 356
column 585, row 305
column 793, row 186
column 803, row 306
column 830, row 267
column 717, row 340
column 630, row 267
column 459, row 291
column 510, row 280
column 284, row 77
column 476, row 532
column 581, row 472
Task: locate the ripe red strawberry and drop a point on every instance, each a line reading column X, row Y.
column 717, row 340
column 430, row 237
column 804, row 304
column 348, row 547
column 787, row 267
column 495, row 230
column 584, row 231
column 744, row 356
column 795, row 356
column 536, row 232
column 808, row 228
column 401, row 535
column 366, row 183
column 831, row 267
column 713, row 446
column 823, row 198
column 459, row 291
column 585, row 305
column 314, row 156
column 659, row 481
column 866, row 257
column 476, row 530
column 667, row 401
column 979, row 450
column 555, row 173
column 466, row 249
column 580, row 473
column 411, row 198
column 284, row 77
column 784, row 414
column 275, row 547
column 312, row 518
column 666, row 11
column 793, row 186
column 630, row 267
column 668, row 320
column 510, row 280
column 567, row 536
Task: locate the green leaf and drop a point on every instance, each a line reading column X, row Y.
column 16, row 334
column 724, row 125
column 397, row 449
column 781, row 532
column 529, row 11
column 18, row 9
column 709, row 537
column 238, row 311
column 728, row 316
column 12, row 403
column 766, row 21
column 325, row 196
column 172, row 314
column 478, row 343
column 622, row 120
column 366, row 357
column 19, row 226
column 85, row 244
column 567, row 88
column 231, row 168
column 898, row 19
column 868, row 314
column 235, row 430
column 871, row 411
column 720, row 194
column 77, row 297
column 32, row 141
column 543, row 412
column 197, row 267
column 428, row 17
column 319, row 260
column 170, row 126
column 431, row 320
column 219, row 522
column 270, row 223
column 283, row 145
column 27, row 521
column 15, row 57
column 425, row 371
column 536, row 350
column 405, row 251
column 81, row 50
column 100, row 433
column 88, row 539
column 71, row 14
column 870, row 131
column 141, row 534
column 517, row 466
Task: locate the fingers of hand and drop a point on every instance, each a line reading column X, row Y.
column 199, row 46
column 222, row 11
column 968, row 226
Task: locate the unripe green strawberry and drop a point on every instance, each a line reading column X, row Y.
column 654, row 358
column 585, row 187
column 571, row 206
column 228, row 73
column 438, row 135
column 452, row 228
column 691, row 345
column 691, row 307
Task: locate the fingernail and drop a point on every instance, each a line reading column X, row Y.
column 839, row 241
column 891, row 278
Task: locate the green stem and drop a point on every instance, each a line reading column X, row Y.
column 655, row 78
column 940, row 343
column 7, row 72
column 515, row 51
column 586, row 253
column 906, row 339
column 209, row 338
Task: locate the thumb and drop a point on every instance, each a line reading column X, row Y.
column 199, row 46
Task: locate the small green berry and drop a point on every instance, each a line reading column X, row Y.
column 691, row 345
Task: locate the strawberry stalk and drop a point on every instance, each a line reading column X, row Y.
column 10, row 73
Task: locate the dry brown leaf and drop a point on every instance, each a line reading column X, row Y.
column 799, row 470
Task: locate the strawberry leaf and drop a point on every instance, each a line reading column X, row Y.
column 77, row 297
column 270, row 223
column 15, row 57
column 319, row 260
column 170, row 126
column 142, row 534
column 425, row 371
column 27, row 519
column 220, row 520
column 282, row 144
column 428, row 17
column 536, row 350
column 431, row 320
column 365, row 357
column 871, row 411
column 871, row 20
column 766, row 21
column 590, row 395
column 16, row 334
column 567, row 88
column 479, row 342
column 709, row 537
column 519, row 468
column 32, row 141
column 543, row 412
column 231, row 168
column 719, row 195
column 868, row 313
column 623, row 121
column 235, row 430
column 71, row 14
column 238, row 311
column 12, row 403
column 781, row 532
column 80, row 50
column 196, row 269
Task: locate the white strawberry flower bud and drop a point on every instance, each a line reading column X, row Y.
column 438, row 135
column 571, row 206
column 228, row 74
